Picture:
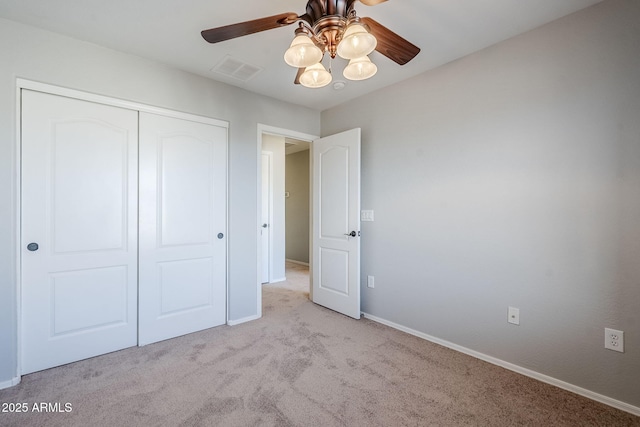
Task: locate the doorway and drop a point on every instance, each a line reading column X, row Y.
column 297, row 201
column 276, row 141
column 286, row 192
column 335, row 206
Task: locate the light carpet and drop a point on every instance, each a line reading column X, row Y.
column 299, row 365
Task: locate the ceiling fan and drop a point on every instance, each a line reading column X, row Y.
column 330, row 26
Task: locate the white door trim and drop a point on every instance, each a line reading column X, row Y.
column 287, row 133
column 100, row 99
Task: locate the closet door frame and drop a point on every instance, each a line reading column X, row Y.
column 99, row 99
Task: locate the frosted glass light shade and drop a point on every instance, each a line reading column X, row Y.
column 356, row 42
column 360, row 69
column 302, row 53
column 315, row 76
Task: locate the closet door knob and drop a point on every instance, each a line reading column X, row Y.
column 220, row 235
column 32, row 247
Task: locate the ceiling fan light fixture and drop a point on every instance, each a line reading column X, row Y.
column 356, row 42
column 360, row 69
column 303, row 52
column 327, row 26
column 315, row 76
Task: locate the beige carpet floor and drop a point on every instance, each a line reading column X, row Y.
column 300, row 365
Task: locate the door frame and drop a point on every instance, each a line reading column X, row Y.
column 287, row 133
column 98, row 99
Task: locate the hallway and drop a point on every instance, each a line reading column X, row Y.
column 297, row 282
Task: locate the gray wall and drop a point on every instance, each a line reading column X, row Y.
column 512, row 177
column 46, row 57
column 297, row 206
column 275, row 144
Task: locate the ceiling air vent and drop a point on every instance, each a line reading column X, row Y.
column 233, row 67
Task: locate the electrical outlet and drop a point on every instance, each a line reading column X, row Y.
column 614, row 340
column 370, row 283
column 513, row 316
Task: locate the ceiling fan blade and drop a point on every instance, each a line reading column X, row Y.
column 228, row 32
column 297, row 80
column 372, row 2
column 390, row 44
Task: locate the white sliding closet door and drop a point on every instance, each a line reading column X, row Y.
column 79, row 230
column 182, row 227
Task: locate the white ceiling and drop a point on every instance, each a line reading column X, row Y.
column 168, row 31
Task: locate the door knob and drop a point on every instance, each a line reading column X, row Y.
column 32, row 247
column 220, row 235
column 265, row 225
column 352, row 234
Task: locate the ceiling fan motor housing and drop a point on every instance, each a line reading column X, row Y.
column 316, row 9
column 328, row 20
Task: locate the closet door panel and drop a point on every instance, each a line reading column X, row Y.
column 182, row 227
column 79, row 229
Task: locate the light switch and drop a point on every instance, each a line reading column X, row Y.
column 366, row 215
column 370, row 282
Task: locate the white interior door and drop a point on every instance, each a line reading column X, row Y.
column 267, row 201
column 79, row 230
column 336, row 222
column 183, row 181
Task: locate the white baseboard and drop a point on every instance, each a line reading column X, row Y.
column 515, row 368
column 282, row 279
column 243, row 320
column 10, row 383
column 297, row 262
